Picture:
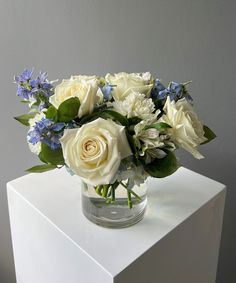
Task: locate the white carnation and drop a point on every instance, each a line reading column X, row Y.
column 38, row 117
column 135, row 105
column 35, row 148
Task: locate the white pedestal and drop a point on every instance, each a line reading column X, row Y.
column 177, row 242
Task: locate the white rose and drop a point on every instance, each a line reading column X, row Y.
column 35, row 148
column 125, row 83
column 95, row 150
column 135, row 105
column 187, row 130
column 83, row 87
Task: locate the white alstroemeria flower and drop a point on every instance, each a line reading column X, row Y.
column 125, row 83
column 135, row 105
column 187, row 130
column 151, row 141
column 95, row 150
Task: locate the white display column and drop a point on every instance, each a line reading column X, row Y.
column 176, row 242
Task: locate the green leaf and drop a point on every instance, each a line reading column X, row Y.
column 24, row 119
column 110, row 114
column 35, row 104
column 25, row 101
column 164, row 167
column 88, row 118
column 209, row 134
column 159, row 126
column 134, row 120
column 50, row 156
column 68, row 110
column 131, row 143
column 41, row 168
column 105, row 114
column 51, row 113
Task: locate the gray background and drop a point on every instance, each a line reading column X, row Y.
column 176, row 40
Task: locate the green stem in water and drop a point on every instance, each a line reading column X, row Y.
column 130, row 204
column 105, row 190
column 113, row 191
column 132, row 192
column 129, row 192
column 98, row 190
column 113, row 194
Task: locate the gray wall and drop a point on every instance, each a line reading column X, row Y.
column 177, row 40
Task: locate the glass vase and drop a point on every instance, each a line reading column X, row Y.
column 118, row 213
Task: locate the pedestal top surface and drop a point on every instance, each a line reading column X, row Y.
column 56, row 196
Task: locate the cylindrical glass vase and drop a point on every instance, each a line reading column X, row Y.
column 115, row 214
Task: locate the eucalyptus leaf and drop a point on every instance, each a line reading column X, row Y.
column 68, row 110
column 24, row 119
column 50, row 156
column 164, row 167
column 209, row 134
column 41, row 168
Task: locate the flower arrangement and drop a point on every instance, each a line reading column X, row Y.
column 117, row 129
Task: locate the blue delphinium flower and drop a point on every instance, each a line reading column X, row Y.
column 24, row 89
column 47, row 132
column 174, row 90
column 178, row 91
column 41, row 85
column 31, row 89
column 106, row 90
column 71, row 125
column 24, row 77
column 23, row 92
column 159, row 91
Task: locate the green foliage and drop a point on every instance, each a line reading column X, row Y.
column 164, row 167
column 132, row 146
column 54, row 157
column 159, row 126
column 110, row 114
column 209, row 134
column 87, row 118
column 25, row 101
column 68, row 110
column 24, row 119
column 105, row 114
column 134, row 120
column 52, row 113
column 41, row 168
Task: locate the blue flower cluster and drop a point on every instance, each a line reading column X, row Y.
column 174, row 90
column 29, row 88
column 106, row 91
column 47, row 132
